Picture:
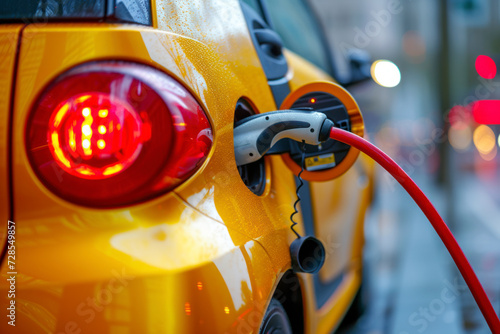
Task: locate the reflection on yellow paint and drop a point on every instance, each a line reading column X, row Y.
column 187, row 308
column 200, row 286
column 234, row 267
column 226, row 310
column 191, row 240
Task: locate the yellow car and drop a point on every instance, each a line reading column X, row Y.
column 122, row 209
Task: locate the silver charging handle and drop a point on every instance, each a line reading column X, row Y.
column 255, row 135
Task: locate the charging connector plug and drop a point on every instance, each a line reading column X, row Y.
column 255, row 135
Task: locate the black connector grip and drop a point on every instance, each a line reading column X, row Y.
column 326, row 127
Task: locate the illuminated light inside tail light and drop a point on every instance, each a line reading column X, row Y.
column 113, row 134
column 96, row 136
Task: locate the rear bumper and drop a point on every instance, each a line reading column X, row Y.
column 184, row 273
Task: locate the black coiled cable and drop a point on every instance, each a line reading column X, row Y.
column 298, row 189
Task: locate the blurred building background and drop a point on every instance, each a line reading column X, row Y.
column 425, row 124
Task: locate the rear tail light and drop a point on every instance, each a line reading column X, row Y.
column 111, row 134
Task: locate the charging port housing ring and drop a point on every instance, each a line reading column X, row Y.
column 357, row 127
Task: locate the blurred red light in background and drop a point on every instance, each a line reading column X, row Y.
column 459, row 116
column 486, row 111
column 414, row 46
column 486, row 67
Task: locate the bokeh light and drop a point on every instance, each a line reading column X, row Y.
column 414, row 46
column 460, row 116
column 385, row 73
column 491, row 155
column 460, row 138
column 486, row 67
column 485, row 141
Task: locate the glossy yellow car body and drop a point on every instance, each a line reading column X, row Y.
column 204, row 258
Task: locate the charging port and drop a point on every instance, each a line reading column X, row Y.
column 332, row 152
column 252, row 174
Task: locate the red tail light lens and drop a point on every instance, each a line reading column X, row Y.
column 111, row 134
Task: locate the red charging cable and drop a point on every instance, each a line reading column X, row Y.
column 431, row 213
